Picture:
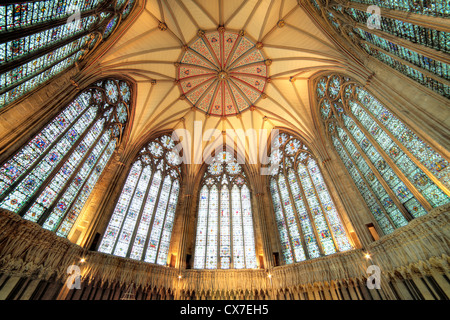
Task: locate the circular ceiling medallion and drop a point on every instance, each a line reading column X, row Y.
column 222, row 72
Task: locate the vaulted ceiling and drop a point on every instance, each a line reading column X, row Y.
column 153, row 42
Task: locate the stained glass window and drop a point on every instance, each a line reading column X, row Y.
column 50, row 178
column 427, row 7
column 141, row 223
column 306, row 216
column 225, row 236
column 398, row 42
column 42, row 38
column 399, row 175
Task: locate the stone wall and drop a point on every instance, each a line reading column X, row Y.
column 414, row 263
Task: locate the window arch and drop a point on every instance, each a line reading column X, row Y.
column 50, row 178
column 141, row 224
column 398, row 174
column 398, row 42
column 307, row 220
column 42, row 38
column 225, row 235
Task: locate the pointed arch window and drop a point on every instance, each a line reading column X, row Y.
column 40, row 39
column 50, row 178
column 397, row 43
column 306, row 216
column 225, row 236
column 141, row 224
column 399, row 175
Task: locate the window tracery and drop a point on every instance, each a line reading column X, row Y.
column 398, row 174
column 50, row 178
column 40, row 39
column 225, row 234
column 306, row 216
column 141, row 224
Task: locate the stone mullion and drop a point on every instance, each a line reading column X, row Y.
column 43, row 155
column 38, row 53
column 285, row 221
column 242, row 222
column 46, row 181
column 332, row 198
column 128, row 208
column 323, row 210
column 207, row 225
column 294, row 207
column 231, row 227
column 67, row 184
column 427, row 73
column 219, row 206
column 406, row 151
column 426, row 21
column 308, row 212
column 164, row 220
column 393, row 166
column 206, row 234
column 30, row 76
column 330, row 170
column 27, row 31
column 380, row 178
column 368, row 186
column 141, row 211
column 155, row 208
column 419, row 48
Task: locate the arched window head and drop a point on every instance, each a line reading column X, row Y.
column 50, row 178
column 225, row 236
column 40, row 39
column 306, row 216
column 399, row 175
column 384, row 39
column 141, row 224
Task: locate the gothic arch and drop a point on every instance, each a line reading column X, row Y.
column 398, row 174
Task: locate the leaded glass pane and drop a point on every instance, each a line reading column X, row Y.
column 146, row 231
column 225, row 236
column 54, row 35
column 202, row 225
column 388, row 162
column 310, row 226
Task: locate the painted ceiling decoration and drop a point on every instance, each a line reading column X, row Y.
column 222, row 72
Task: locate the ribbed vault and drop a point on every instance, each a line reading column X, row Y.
column 149, row 50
